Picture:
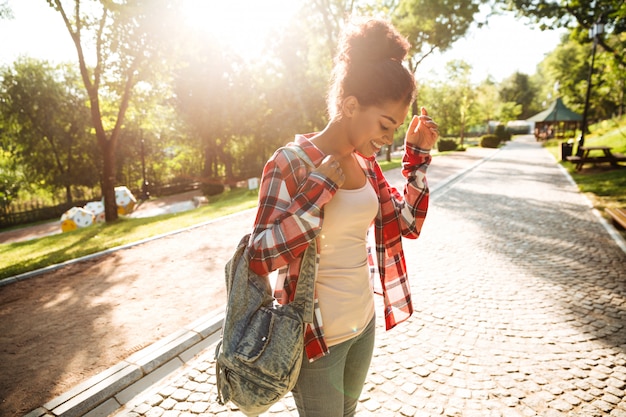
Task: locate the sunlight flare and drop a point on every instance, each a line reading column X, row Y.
column 242, row 25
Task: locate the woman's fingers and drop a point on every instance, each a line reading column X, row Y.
column 331, row 168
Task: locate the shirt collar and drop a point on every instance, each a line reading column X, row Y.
column 309, row 148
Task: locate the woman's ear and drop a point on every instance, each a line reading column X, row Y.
column 349, row 106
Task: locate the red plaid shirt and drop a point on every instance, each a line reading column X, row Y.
column 290, row 214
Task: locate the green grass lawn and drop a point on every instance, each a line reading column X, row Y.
column 20, row 257
column 605, row 187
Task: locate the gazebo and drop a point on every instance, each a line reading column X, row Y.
column 555, row 121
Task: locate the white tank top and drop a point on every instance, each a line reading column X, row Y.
column 343, row 286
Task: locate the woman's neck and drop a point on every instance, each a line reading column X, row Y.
column 333, row 140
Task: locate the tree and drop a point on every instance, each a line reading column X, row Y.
column 568, row 66
column 459, row 73
column 332, row 15
column 580, row 16
column 240, row 112
column 454, row 101
column 487, row 102
column 50, row 125
column 518, row 89
column 433, row 24
column 122, row 38
column 206, row 98
column 11, row 179
column 5, row 10
column 294, row 84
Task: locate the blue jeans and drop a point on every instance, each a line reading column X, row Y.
column 331, row 385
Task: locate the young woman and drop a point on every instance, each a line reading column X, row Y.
column 336, row 203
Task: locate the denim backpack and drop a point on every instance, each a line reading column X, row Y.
column 258, row 359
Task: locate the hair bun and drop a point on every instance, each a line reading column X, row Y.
column 373, row 40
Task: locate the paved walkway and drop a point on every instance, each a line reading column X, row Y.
column 520, row 298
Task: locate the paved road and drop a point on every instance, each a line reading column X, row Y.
column 520, row 298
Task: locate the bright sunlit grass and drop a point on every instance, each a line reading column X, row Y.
column 605, row 188
column 20, row 257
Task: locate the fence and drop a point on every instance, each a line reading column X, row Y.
column 19, row 215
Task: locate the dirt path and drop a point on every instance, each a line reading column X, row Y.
column 61, row 328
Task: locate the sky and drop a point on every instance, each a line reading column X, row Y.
column 505, row 46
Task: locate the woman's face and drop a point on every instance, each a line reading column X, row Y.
column 372, row 127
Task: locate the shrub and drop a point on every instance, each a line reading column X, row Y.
column 446, row 145
column 212, row 188
column 489, row 141
column 502, row 133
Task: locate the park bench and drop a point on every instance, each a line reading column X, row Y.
column 618, row 215
column 607, row 156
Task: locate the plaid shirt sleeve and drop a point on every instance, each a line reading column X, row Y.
column 290, row 212
column 412, row 207
column 399, row 215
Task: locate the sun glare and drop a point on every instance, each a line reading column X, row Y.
column 241, row 24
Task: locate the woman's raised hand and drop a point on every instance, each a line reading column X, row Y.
column 423, row 131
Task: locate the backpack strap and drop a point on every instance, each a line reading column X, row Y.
column 305, row 289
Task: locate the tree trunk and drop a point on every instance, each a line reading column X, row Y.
column 207, row 171
column 68, row 194
column 108, row 181
column 462, row 135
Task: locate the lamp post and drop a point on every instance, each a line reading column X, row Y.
column 596, row 30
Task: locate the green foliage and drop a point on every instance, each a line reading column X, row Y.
column 518, row 89
column 50, row 125
column 212, row 188
column 611, row 131
column 502, row 134
column 489, row 141
column 444, row 145
column 453, row 102
column 582, row 15
column 203, row 112
column 487, row 102
column 509, row 111
column 568, row 66
column 11, row 180
column 433, row 24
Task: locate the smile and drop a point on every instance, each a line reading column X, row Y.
column 377, row 145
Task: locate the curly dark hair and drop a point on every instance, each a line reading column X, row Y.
column 368, row 66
